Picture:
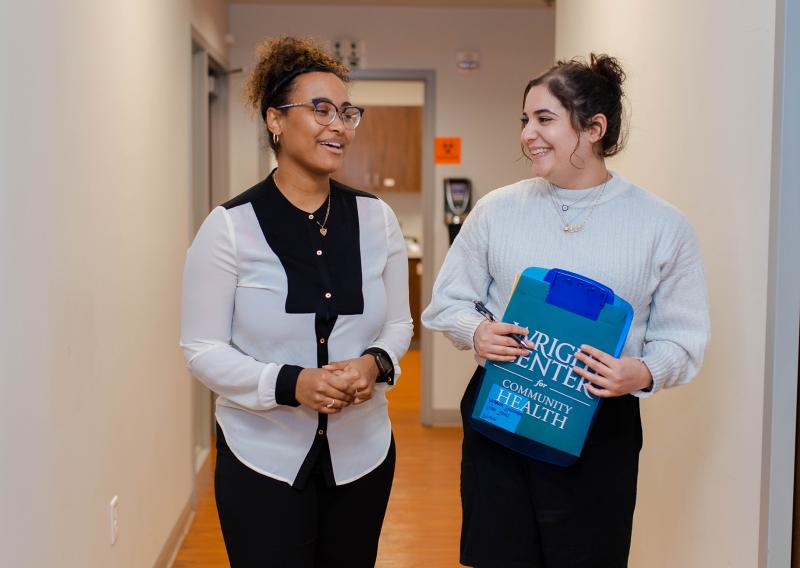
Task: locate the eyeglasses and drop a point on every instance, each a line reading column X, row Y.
column 325, row 112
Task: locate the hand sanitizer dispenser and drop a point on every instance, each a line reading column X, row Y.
column 457, row 203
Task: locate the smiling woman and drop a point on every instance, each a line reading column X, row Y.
column 295, row 312
column 577, row 215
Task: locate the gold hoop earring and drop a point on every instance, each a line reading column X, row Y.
column 275, row 139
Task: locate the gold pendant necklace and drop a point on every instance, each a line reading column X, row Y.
column 322, row 230
column 570, row 226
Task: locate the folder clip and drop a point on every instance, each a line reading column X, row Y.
column 577, row 293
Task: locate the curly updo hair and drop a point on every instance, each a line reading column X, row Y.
column 586, row 89
column 280, row 62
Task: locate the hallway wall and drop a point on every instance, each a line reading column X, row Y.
column 483, row 109
column 94, row 225
column 700, row 85
column 210, row 19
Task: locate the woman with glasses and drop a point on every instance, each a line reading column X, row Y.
column 295, row 312
column 577, row 215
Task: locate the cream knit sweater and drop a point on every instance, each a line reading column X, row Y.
column 633, row 242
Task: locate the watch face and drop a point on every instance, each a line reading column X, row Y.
column 383, row 364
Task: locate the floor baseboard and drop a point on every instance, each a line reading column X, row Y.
column 202, row 480
column 175, row 538
column 446, row 417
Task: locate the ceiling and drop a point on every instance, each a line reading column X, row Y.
column 416, row 3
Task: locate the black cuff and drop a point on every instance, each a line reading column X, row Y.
column 387, row 377
column 285, row 385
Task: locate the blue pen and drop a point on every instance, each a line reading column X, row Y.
column 481, row 308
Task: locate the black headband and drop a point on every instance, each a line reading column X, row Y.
column 285, row 80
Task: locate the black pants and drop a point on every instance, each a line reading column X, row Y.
column 522, row 513
column 267, row 523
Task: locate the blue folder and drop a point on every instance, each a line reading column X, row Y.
column 536, row 405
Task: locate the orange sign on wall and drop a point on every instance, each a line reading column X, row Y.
column 447, row 150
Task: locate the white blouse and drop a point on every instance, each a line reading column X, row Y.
column 265, row 294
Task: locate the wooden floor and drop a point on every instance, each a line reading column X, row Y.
column 424, row 516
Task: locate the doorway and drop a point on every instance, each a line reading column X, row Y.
column 209, row 135
column 395, row 162
column 779, row 540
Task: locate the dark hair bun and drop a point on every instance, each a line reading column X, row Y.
column 609, row 68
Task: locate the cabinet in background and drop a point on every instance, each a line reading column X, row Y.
column 386, row 152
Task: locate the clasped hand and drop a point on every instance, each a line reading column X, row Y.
column 337, row 385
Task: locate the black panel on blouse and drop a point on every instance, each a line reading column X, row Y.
column 295, row 239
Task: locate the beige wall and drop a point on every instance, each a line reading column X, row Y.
column 700, row 86
column 210, row 20
column 482, row 109
column 94, row 224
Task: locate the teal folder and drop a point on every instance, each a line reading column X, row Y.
column 537, row 405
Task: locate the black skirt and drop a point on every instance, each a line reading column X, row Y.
column 522, row 513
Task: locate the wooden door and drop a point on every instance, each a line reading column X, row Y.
column 386, row 152
column 415, row 297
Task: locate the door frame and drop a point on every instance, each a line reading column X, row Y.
column 209, row 187
column 428, row 77
column 783, row 299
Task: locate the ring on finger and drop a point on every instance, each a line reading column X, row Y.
column 330, row 404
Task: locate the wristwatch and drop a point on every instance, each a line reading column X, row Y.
column 384, row 363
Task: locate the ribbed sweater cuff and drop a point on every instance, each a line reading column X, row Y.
column 659, row 365
column 463, row 331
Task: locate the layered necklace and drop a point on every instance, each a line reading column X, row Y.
column 570, row 225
